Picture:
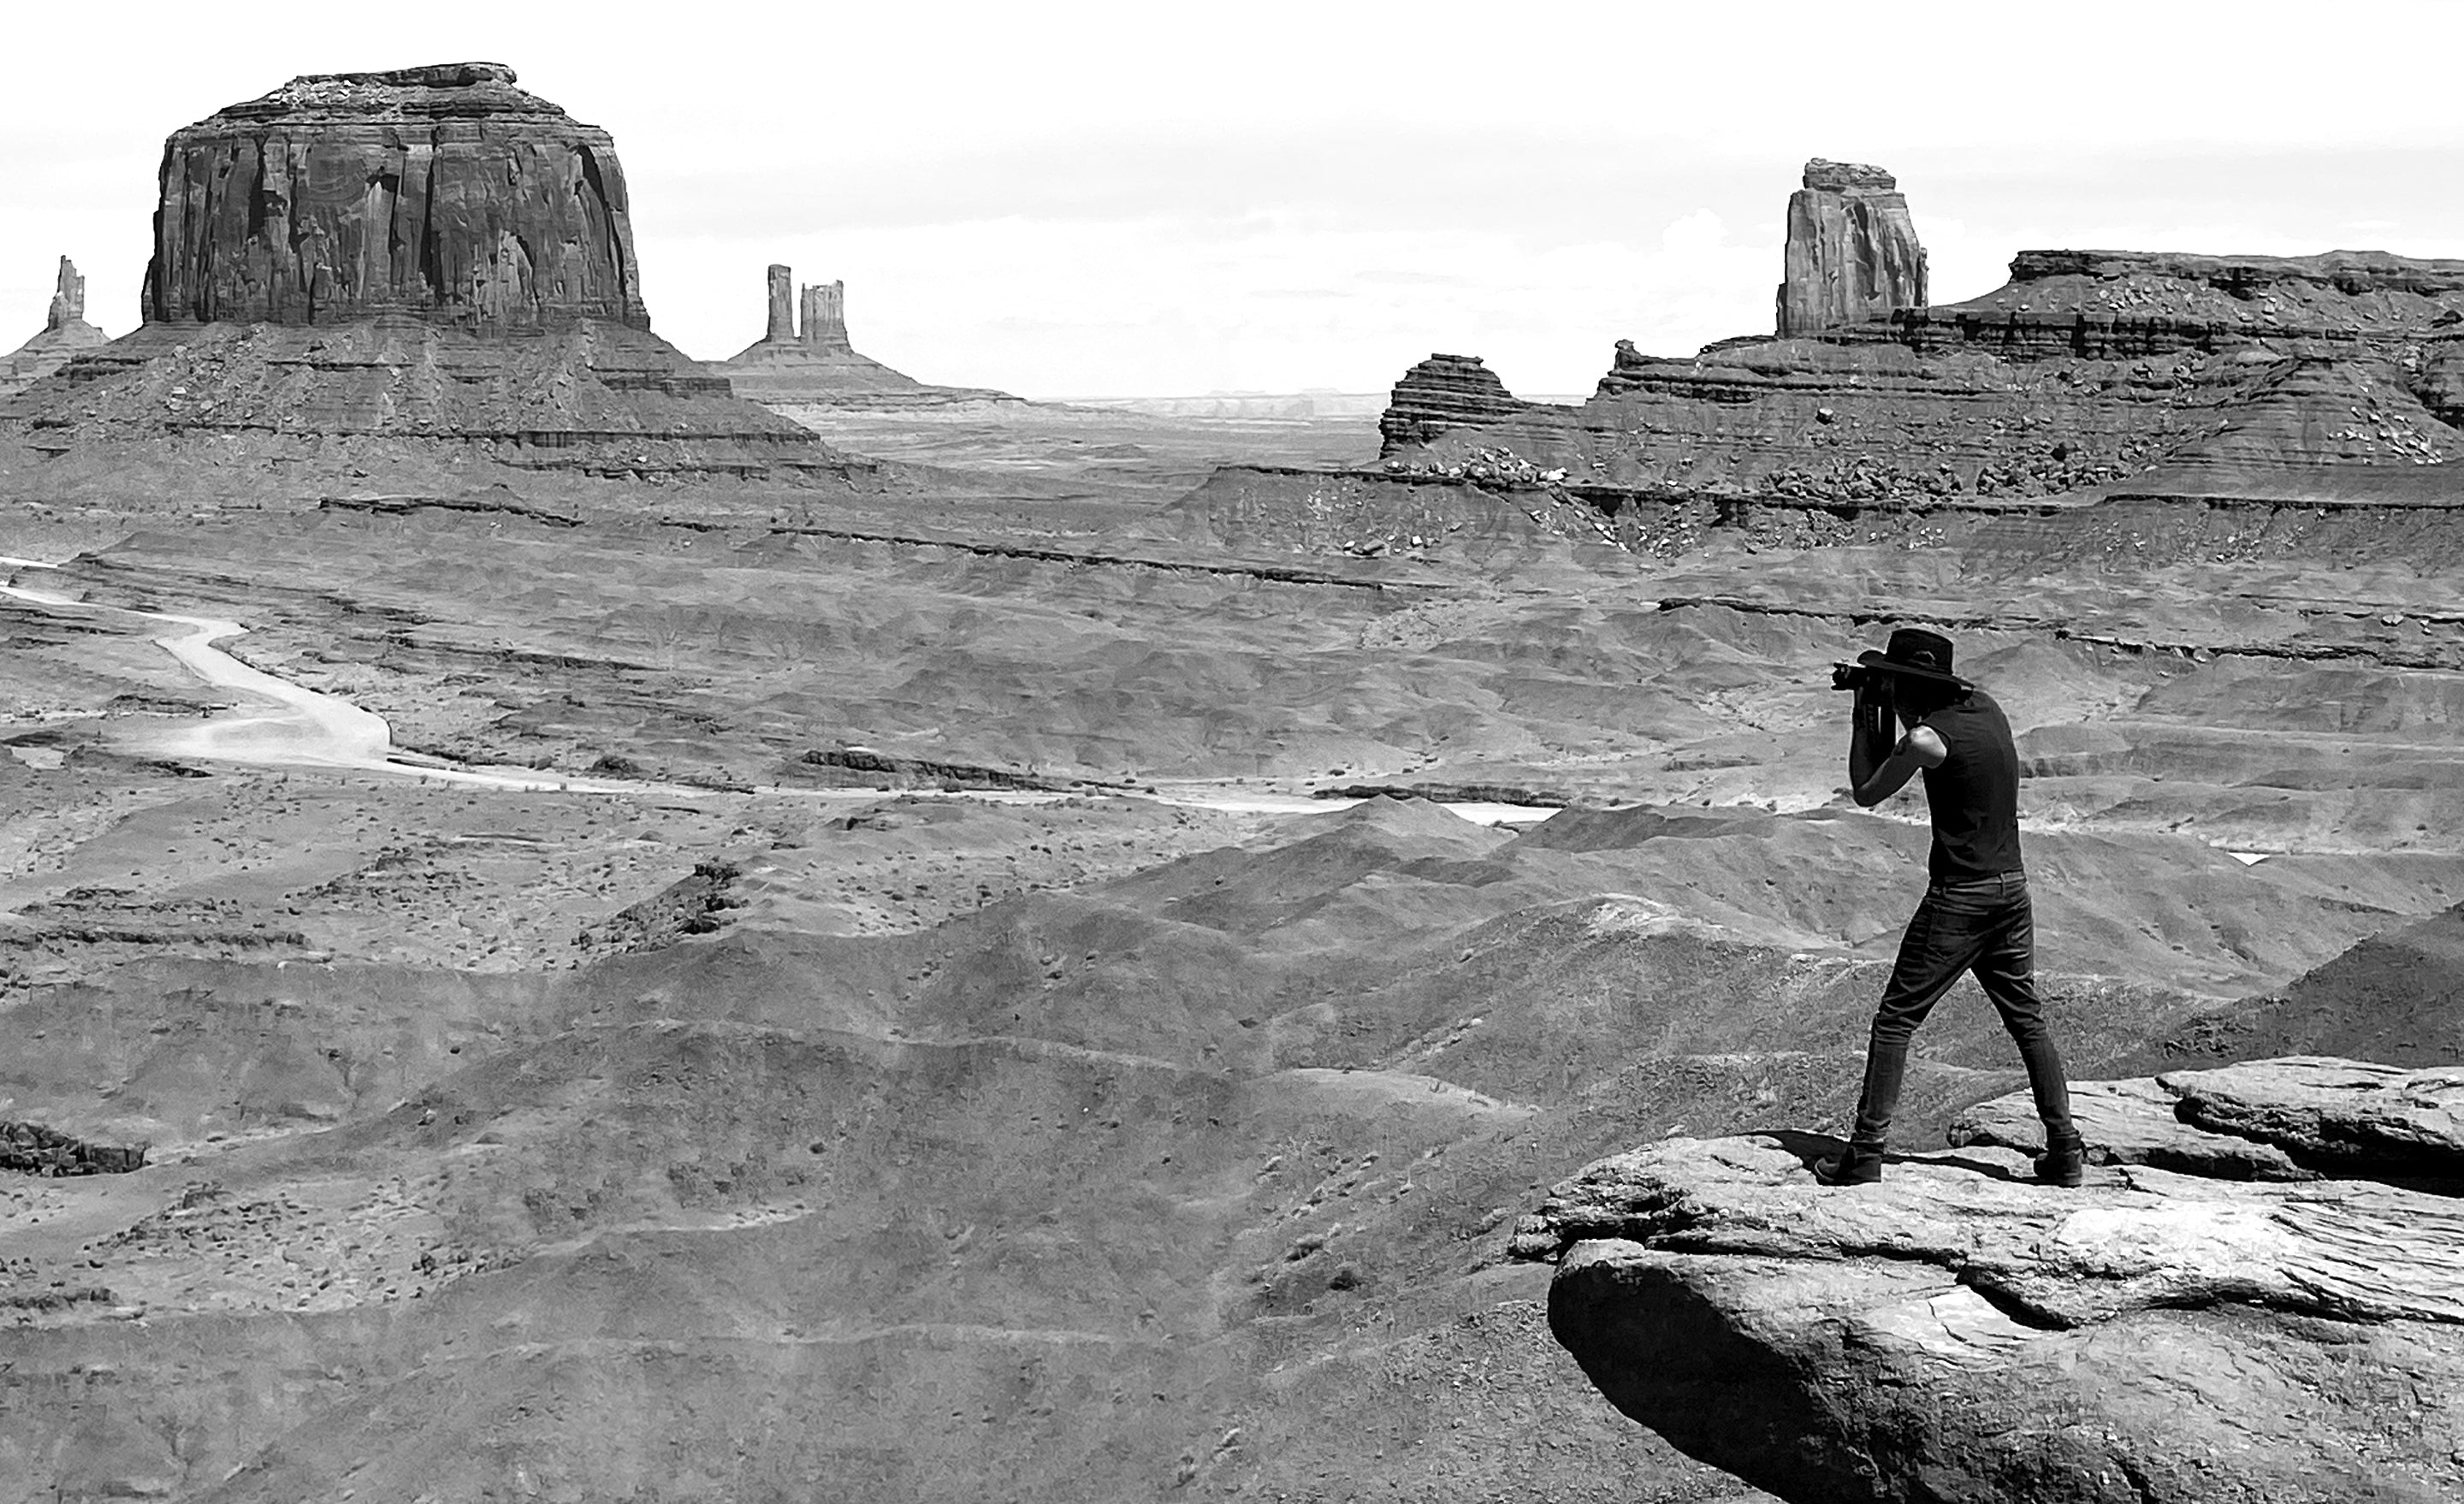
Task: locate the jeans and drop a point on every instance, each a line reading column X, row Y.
column 1988, row 927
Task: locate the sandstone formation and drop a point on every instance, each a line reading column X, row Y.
column 1852, row 250
column 2336, row 378
column 2162, row 1335
column 783, row 306
column 1445, row 391
column 824, row 316
column 817, row 366
column 415, row 268
column 64, row 333
column 441, row 192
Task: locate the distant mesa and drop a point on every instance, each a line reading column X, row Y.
column 444, row 192
column 2336, row 378
column 64, row 333
column 424, row 265
column 817, row 364
column 1852, row 250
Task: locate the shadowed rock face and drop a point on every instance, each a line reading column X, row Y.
column 1852, row 250
column 442, row 192
column 1956, row 1331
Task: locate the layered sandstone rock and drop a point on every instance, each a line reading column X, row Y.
column 442, row 191
column 1445, row 392
column 64, row 333
column 817, row 366
column 410, row 268
column 2157, row 1337
column 2335, row 379
column 1852, row 250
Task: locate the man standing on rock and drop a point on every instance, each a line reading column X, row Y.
column 1975, row 916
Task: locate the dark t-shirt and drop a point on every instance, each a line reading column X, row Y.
column 1974, row 796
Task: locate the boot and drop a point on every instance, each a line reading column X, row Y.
column 1858, row 1164
column 2064, row 1162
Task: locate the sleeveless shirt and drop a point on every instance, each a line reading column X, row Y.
column 1974, row 796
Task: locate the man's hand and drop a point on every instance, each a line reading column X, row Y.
column 1876, row 768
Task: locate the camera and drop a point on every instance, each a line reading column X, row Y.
column 1850, row 675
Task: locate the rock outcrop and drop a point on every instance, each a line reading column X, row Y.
column 1852, row 250
column 444, row 192
column 32, row 1149
column 418, row 269
column 2334, row 379
column 2209, row 1330
column 64, row 333
column 1445, row 392
column 816, row 365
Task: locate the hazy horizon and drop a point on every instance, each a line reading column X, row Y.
column 1096, row 199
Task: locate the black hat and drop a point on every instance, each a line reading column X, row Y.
column 1918, row 653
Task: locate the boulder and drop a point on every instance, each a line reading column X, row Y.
column 442, row 191
column 1851, row 251
column 1959, row 1332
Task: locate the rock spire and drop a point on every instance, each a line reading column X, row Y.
column 816, row 364
column 443, row 192
column 64, row 333
column 782, row 303
column 68, row 300
column 1852, row 250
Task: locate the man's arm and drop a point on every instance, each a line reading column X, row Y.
column 1877, row 769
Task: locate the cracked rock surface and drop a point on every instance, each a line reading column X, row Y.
column 1958, row 1331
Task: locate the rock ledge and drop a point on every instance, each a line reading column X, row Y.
column 1960, row 1332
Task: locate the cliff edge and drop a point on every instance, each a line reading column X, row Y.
column 2258, row 1295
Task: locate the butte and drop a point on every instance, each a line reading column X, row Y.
column 426, row 274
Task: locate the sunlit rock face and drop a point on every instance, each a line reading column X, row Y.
column 441, row 192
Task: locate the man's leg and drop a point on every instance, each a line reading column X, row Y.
column 2007, row 970
column 1940, row 943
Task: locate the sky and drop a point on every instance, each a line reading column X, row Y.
column 1067, row 199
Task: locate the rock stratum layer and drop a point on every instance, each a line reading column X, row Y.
column 817, row 363
column 1852, row 250
column 2333, row 378
column 2160, row 1335
column 442, row 192
column 1445, row 391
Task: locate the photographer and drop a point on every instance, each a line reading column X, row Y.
column 1975, row 916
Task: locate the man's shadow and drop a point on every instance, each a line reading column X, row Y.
column 1809, row 1147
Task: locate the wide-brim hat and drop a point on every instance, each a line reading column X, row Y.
column 1918, row 655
